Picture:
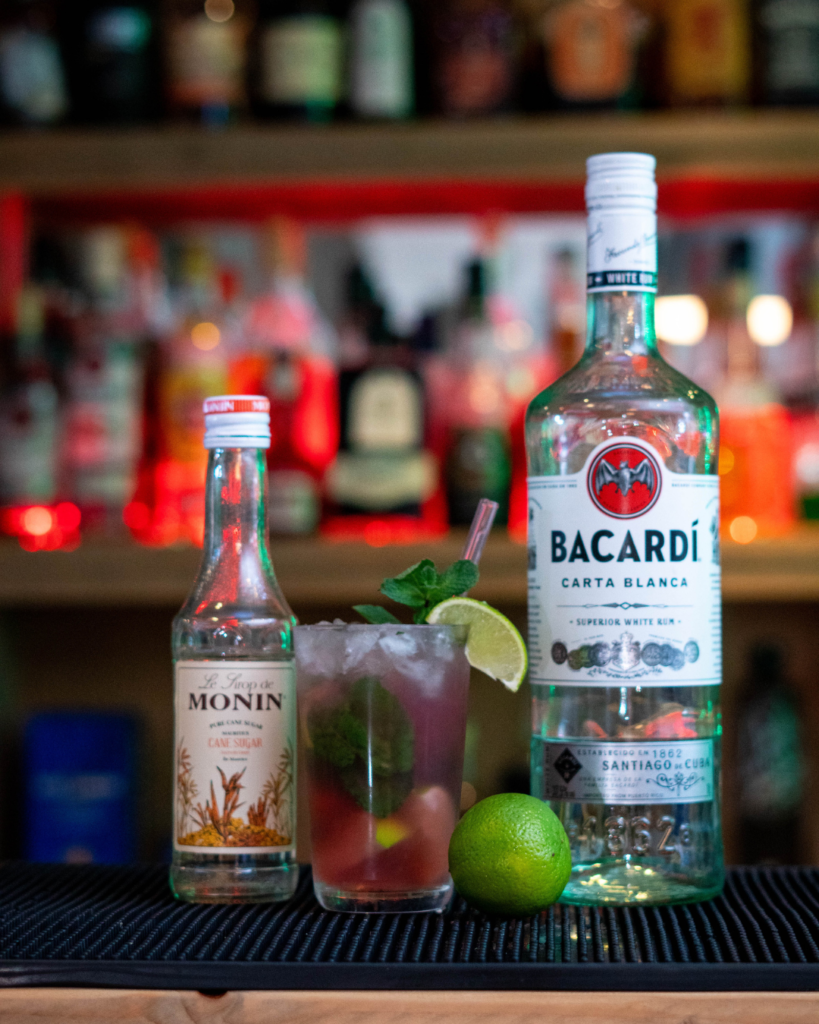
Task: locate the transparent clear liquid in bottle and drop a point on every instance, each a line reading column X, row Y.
column 234, row 741
column 594, row 683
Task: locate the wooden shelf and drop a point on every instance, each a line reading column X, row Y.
column 318, row 574
column 707, row 145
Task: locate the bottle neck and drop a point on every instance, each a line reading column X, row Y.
column 236, row 511
column 621, row 324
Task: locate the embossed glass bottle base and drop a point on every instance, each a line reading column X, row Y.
column 633, row 854
column 241, row 879
column 418, row 901
column 626, row 881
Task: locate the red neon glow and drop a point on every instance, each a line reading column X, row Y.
column 42, row 527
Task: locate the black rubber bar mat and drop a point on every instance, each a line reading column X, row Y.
column 119, row 927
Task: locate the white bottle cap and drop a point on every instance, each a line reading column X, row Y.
column 621, row 180
column 237, row 421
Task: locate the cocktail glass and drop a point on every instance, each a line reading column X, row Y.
column 382, row 719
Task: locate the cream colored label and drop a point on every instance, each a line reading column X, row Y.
column 235, row 756
column 207, row 60
column 385, row 411
column 374, row 482
column 302, row 60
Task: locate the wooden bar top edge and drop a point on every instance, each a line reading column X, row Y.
column 138, row 1006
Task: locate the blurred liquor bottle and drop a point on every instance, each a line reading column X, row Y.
column 168, row 505
column 287, row 354
column 805, row 410
column 381, row 59
column 769, row 762
column 205, row 58
column 81, row 788
column 567, row 309
column 536, row 368
column 806, row 460
column 112, row 51
column 29, row 430
column 298, row 60
column 101, row 436
column 707, row 52
column 33, row 88
column 756, row 491
column 582, row 54
column 384, row 484
column 787, row 43
column 475, row 57
column 477, row 408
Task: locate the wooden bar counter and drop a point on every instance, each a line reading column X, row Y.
column 134, row 1006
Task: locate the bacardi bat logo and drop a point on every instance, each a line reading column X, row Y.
column 624, row 476
column 624, row 480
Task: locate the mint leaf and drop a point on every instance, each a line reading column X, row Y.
column 337, row 736
column 411, row 586
column 421, row 586
column 392, row 737
column 371, row 740
column 381, row 797
column 458, row 578
column 375, row 614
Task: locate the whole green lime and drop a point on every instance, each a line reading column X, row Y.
column 510, row 855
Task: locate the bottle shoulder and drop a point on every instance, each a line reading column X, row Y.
column 602, row 382
column 204, row 633
column 622, row 396
column 218, row 622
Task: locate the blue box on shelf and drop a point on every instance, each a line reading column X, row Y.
column 80, row 788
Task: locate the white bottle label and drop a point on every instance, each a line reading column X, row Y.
column 235, row 751
column 622, row 250
column 627, row 772
column 381, row 58
column 624, row 573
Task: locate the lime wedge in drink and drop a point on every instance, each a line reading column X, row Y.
column 494, row 645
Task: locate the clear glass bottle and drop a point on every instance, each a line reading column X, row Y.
column 624, row 598
column 235, row 699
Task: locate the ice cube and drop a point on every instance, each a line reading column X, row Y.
column 410, row 655
column 356, row 658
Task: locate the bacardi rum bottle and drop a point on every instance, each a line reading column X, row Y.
column 624, row 582
column 235, row 697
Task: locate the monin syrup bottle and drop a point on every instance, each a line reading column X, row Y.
column 624, row 581
column 235, row 693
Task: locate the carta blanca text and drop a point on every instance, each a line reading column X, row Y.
column 637, row 582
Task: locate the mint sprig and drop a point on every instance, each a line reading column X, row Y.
column 370, row 740
column 421, row 587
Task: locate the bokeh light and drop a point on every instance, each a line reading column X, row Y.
column 769, row 319
column 219, row 10
column 727, row 460
column 743, row 529
column 37, row 521
column 681, row 319
column 205, row 336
